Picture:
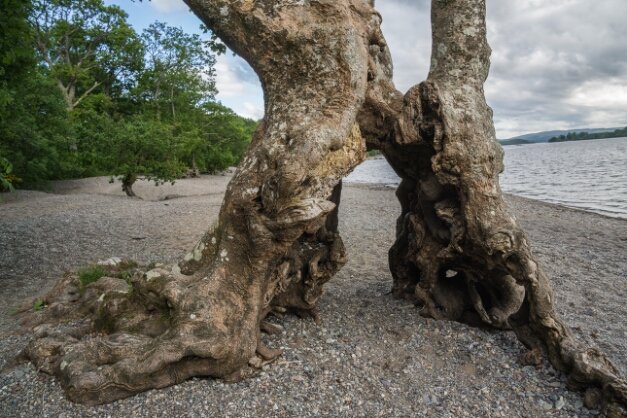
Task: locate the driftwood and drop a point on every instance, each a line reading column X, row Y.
column 326, row 73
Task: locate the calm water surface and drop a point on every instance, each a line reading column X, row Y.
column 589, row 175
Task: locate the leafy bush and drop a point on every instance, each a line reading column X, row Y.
column 90, row 275
column 34, row 131
column 141, row 107
column 145, row 150
column 5, row 175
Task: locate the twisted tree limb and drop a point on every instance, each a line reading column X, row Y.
column 459, row 252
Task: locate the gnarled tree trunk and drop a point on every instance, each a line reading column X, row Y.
column 327, row 79
column 275, row 243
column 459, row 253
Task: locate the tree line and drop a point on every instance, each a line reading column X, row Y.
column 83, row 94
column 582, row 136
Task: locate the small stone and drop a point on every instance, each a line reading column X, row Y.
column 560, row 403
column 592, row 398
column 545, row 405
column 108, row 262
column 18, row 374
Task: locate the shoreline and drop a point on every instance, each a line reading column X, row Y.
column 372, row 356
column 8, row 198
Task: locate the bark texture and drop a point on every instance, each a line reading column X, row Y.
column 327, row 78
column 275, row 243
column 459, row 253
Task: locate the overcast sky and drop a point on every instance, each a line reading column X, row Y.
column 556, row 64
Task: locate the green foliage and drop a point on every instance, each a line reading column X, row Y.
column 38, row 306
column 179, row 72
column 15, row 34
column 582, row 136
column 5, row 171
column 213, row 43
column 216, row 137
column 85, row 45
column 82, row 94
column 33, row 131
column 145, row 150
column 90, row 275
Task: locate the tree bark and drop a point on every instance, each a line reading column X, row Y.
column 459, row 253
column 275, row 243
column 327, row 78
column 127, row 184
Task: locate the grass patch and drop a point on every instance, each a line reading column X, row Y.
column 38, row 306
column 126, row 276
column 90, row 274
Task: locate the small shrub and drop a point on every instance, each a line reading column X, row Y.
column 10, row 182
column 126, row 276
column 90, row 274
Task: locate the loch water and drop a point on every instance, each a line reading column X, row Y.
column 588, row 175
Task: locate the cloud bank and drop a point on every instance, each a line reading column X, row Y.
column 238, row 86
column 556, row 64
column 168, row 6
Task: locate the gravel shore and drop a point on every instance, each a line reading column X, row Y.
column 372, row 356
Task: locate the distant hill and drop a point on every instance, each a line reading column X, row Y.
column 546, row 135
column 516, row 141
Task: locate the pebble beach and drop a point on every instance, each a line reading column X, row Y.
column 372, row 356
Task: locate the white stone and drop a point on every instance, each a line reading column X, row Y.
column 560, row 403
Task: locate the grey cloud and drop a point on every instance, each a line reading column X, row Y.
column 543, row 52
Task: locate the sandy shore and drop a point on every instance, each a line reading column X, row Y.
column 373, row 356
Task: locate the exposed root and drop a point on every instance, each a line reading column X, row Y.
column 269, row 328
column 267, row 353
